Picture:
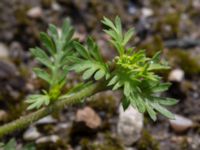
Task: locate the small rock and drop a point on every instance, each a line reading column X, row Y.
column 16, row 51
column 129, row 148
column 180, row 123
column 176, row 75
column 3, row 51
column 132, row 9
column 7, row 70
column 46, row 120
column 63, row 125
column 89, row 117
column 3, row 115
column 56, row 7
column 147, row 12
column 129, row 125
column 35, row 13
column 31, row 134
column 196, row 4
column 47, row 139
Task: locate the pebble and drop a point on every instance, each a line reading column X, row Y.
column 56, row 7
column 46, row 120
column 3, row 115
column 89, row 117
column 7, row 70
column 129, row 125
column 129, row 148
column 147, row 12
column 180, row 124
column 176, row 75
column 47, row 139
column 3, row 51
column 31, row 134
column 132, row 9
column 16, row 51
column 35, row 12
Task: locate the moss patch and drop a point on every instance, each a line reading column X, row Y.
column 179, row 58
column 147, row 142
column 109, row 143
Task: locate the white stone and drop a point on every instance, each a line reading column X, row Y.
column 46, row 139
column 46, row 120
column 129, row 125
column 180, row 123
column 176, row 75
column 129, row 148
column 31, row 134
column 35, row 12
column 56, row 7
column 3, row 115
column 147, row 12
column 132, row 9
column 3, row 51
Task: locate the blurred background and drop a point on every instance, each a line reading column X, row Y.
column 172, row 26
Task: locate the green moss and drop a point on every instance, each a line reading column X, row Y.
column 104, row 102
column 59, row 145
column 15, row 110
column 21, row 15
column 170, row 20
column 173, row 19
column 157, row 3
column 152, row 45
column 109, row 143
column 147, row 142
column 184, row 145
column 179, row 58
column 46, row 3
column 46, row 129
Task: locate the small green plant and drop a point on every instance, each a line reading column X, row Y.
column 59, row 48
column 131, row 71
column 134, row 73
column 11, row 145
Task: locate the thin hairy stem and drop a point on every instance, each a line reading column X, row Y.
column 73, row 98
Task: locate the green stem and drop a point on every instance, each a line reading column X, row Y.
column 73, row 98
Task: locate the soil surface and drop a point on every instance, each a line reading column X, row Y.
column 171, row 26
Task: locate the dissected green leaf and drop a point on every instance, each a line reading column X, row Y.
column 125, row 103
column 48, row 42
column 166, row 101
column 127, row 89
column 156, row 57
column 99, row 74
column 161, row 87
column 128, row 35
column 113, row 80
column 42, row 74
column 157, row 67
column 53, row 32
column 41, row 57
column 38, row 52
column 91, row 62
column 81, row 50
column 162, row 110
column 150, row 111
column 139, row 103
column 88, row 73
column 38, row 100
column 11, row 145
